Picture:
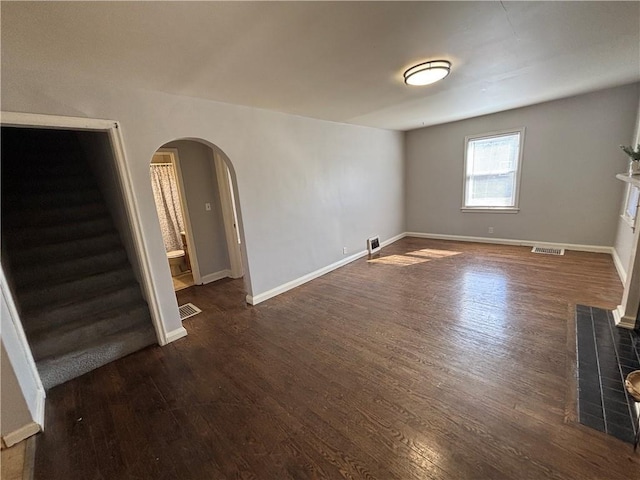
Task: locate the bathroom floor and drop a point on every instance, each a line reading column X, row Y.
column 180, row 282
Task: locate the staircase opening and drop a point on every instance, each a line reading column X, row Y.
column 197, row 212
column 65, row 253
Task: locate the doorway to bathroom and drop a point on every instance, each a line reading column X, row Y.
column 168, row 193
column 195, row 197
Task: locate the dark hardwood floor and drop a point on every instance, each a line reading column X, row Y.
column 439, row 360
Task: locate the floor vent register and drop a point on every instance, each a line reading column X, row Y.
column 188, row 310
column 548, row 251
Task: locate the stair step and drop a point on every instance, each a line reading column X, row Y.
column 91, row 245
column 65, row 337
column 50, row 183
column 121, row 296
column 69, row 269
column 68, row 292
column 28, row 169
column 53, row 215
column 81, row 306
column 22, row 237
column 58, row 369
column 67, row 198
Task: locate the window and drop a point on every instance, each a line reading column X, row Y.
column 492, row 171
column 631, row 205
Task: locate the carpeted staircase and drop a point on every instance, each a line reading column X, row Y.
column 79, row 302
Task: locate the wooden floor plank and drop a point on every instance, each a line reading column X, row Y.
column 437, row 359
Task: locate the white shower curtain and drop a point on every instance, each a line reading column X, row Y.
column 167, row 197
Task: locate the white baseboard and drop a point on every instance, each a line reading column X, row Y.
column 212, row 277
column 622, row 273
column 393, row 239
column 508, row 241
column 41, row 397
column 261, row 297
column 621, row 320
column 21, row 433
column 174, row 335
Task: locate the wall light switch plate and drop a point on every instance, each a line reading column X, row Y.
column 207, row 206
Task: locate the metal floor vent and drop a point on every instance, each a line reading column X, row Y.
column 188, row 310
column 548, row 251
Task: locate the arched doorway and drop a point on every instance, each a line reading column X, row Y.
column 195, row 192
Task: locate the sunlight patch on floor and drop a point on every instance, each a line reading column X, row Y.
column 413, row 258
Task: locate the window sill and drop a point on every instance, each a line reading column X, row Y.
column 489, row 209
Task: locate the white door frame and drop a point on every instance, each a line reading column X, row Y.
column 113, row 129
column 228, row 215
column 191, row 245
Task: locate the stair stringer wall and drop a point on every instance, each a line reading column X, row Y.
column 101, row 161
column 113, row 175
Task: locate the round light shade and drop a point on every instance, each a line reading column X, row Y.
column 427, row 73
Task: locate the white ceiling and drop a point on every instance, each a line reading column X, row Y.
column 340, row 61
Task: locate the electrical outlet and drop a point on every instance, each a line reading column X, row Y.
column 207, row 206
column 490, row 229
column 344, row 250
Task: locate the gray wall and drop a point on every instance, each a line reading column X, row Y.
column 200, row 187
column 569, row 193
column 15, row 413
column 305, row 187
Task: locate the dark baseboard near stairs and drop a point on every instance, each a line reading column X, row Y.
column 79, row 301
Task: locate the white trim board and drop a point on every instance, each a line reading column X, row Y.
column 212, row 277
column 622, row 273
column 261, row 297
column 508, row 241
column 621, row 321
column 20, row 356
column 19, row 119
column 256, row 299
column 31, row 428
column 174, row 335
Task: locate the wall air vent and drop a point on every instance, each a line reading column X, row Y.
column 548, row 251
column 188, row 310
column 373, row 244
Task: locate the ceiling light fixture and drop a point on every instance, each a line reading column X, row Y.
column 427, row 73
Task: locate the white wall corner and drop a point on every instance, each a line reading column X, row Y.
column 176, row 334
column 623, row 321
column 212, row 277
column 622, row 273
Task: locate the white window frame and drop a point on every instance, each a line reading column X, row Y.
column 628, row 209
column 486, row 209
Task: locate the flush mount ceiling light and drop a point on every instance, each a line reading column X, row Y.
column 427, row 73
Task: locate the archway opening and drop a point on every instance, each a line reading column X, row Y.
column 196, row 194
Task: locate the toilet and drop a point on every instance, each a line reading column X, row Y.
column 177, row 262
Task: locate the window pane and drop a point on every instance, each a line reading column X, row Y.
column 491, row 190
column 492, row 164
column 631, row 209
